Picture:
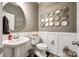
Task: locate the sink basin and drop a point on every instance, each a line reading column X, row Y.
column 16, row 42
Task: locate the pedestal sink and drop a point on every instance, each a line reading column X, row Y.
column 14, row 47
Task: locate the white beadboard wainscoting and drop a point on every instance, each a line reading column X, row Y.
column 60, row 40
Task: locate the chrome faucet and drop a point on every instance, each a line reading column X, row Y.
column 16, row 36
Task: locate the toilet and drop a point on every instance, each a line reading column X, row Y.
column 41, row 50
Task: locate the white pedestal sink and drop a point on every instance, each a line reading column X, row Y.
column 15, row 47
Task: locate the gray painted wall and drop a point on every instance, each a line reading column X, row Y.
column 31, row 13
column 45, row 8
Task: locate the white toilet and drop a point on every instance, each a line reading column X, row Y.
column 41, row 50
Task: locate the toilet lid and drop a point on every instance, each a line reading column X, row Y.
column 41, row 45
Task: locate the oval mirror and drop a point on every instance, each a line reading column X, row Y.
column 51, row 23
column 51, row 19
column 58, row 11
column 57, row 17
column 46, row 19
column 65, row 10
column 15, row 15
column 56, row 24
column 64, row 23
column 46, row 24
column 42, row 20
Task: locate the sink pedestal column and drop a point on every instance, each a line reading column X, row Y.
column 20, row 51
column 7, row 51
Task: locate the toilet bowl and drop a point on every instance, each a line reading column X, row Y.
column 41, row 50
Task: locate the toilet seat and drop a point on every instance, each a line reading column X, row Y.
column 41, row 46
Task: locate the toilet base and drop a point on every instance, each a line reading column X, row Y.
column 39, row 54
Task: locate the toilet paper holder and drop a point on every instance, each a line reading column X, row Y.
column 52, row 42
column 75, row 43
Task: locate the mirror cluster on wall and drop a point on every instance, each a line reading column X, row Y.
column 58, row 18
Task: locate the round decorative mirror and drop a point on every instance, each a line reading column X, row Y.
column 46, row 19
column 65, row 10
column 58, row 11
column 42, row 20
column 56, row 24
column 51, row 23
column 57, row 17
column 51, row 19
column 46, row 24
column 64, row 23
column 15, row 15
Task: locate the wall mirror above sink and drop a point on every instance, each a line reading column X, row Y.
column 15, row 16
